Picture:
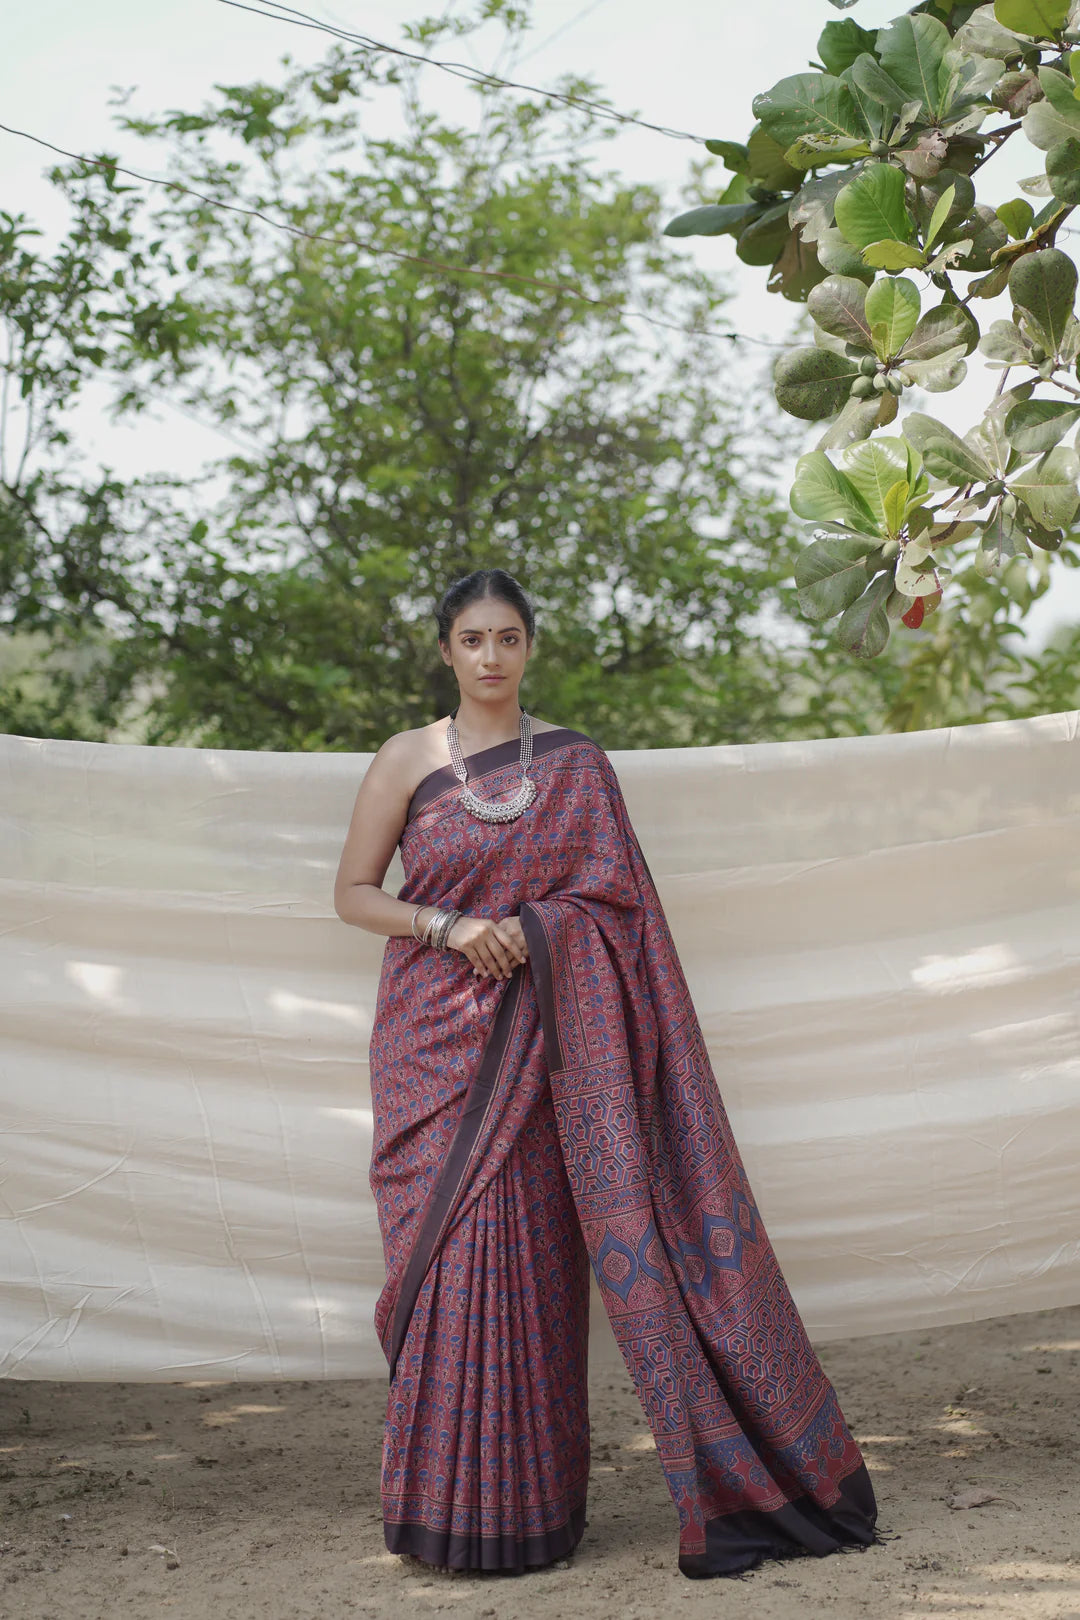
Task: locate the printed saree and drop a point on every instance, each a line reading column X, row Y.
column 525, row 1129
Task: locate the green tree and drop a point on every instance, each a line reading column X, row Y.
column 397, row 424
column 859, row 173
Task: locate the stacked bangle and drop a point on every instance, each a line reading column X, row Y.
column 437, row 930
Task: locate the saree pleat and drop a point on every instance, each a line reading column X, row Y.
column 569, row 1117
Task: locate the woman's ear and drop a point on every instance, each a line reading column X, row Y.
column 446, row 658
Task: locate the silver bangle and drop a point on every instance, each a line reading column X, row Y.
column 412, row 919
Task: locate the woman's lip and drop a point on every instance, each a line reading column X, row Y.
column 492, row 677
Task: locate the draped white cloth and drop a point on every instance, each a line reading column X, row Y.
column 882, row 936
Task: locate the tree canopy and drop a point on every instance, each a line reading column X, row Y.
column 425, row 352
column 862, row 188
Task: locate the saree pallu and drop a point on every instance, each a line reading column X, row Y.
column 568, row 1116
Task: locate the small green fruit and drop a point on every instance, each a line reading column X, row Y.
column 995, row 488
column 893, row 384
column 863, row 388
column 1008, row 505
column 881, row 382
column 868, row 365
column 879, row 149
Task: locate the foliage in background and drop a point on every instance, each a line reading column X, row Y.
column 392, row 425
column 859, row 186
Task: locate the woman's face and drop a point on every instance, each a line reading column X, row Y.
column 487, row 649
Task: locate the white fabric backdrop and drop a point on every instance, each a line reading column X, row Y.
column 882, row 936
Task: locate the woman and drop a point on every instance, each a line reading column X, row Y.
column 543, row 1099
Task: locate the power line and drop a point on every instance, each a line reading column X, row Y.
column 393, row 253
column 460, row 70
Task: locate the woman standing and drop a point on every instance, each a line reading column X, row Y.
column 543, row 1099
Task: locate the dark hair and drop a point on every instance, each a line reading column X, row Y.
column 493, row 582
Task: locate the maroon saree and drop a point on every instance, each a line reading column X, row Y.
column 525, row 1129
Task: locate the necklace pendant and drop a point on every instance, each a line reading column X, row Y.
column 488, row 809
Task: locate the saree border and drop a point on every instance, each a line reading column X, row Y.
column 486, row 760
column 448, row 1549
column 534, row 928
column 446, row 1193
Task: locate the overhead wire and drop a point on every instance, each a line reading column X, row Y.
column 393, row 253
column 460, row 70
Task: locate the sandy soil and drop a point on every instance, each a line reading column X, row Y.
column 262, row 1500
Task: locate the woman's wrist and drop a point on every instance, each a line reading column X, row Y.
column 436, row 928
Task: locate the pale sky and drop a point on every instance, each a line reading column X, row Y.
column 674, row 65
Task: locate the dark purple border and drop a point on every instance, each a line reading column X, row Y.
column 483, row 762
column 450, row 1181
column 449, row 1550
column 532, row 926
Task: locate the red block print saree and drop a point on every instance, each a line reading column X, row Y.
column 527, row 1128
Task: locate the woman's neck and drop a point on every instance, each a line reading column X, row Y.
column 485, row 725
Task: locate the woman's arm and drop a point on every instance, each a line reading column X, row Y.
column 382, row 804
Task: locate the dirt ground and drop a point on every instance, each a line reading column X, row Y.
column 261, row 1500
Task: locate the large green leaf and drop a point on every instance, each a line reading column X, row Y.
column 766, row 162
column 734, row 154
column 811, row 151
column 940, row 330
column 868, row 75
column 839, row 257
column 812, row 383
column 987, row 235
column 841, row 42
column 893, row 303
column 838, row 305
column 808, row 104
column 990, row 437
column 919, row 578
column 913, row 50
column 1048, row 487
column 1063, row 170
column 871, row 207
column 1038, row 424
column 811, row 209
column 1004, row 341
column 858, row 419
column 872, row 112
column 797, row 270
column 1016, row 216
column 873, row 468
column 939, row 374
column 1045, row 284
column 713, row 219
column 945, row 455
column 1001, row 539
column 863, row 628
column 762, row 240
column 983, row 35
column 896, row 505
column 892, row 256
column 822, row 492
column 831, row 573
column 1056, row 118
column 929, row 195
column 1039, row 18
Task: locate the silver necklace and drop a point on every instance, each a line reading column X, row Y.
column 485, row 809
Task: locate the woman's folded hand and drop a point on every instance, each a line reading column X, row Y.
column 493, row 948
